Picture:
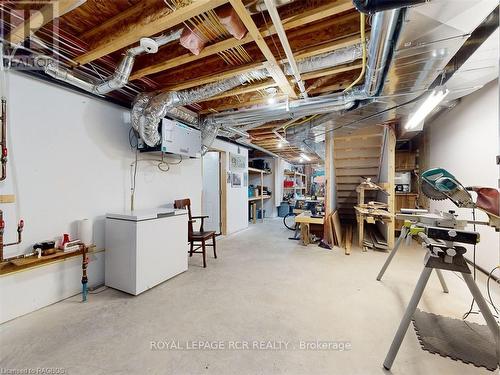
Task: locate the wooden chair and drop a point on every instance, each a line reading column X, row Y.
column 196, row 238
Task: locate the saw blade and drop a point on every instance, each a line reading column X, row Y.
column 432, row 193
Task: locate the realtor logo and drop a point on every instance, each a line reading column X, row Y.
column 29, row 30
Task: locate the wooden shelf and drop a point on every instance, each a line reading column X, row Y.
column 407, row 194
column 251, row 199
column 25, row 264
column 257, row 171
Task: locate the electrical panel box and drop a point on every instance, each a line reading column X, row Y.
column 180, row 139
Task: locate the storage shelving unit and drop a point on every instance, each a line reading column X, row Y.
column 299, row 182
column 254, row 200
column 407, row 161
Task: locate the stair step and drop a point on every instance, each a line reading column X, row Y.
column 355, row 153
column 351, row 179
column 358, row 143
column 356, row 171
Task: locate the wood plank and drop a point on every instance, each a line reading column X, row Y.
column 327, row 10
column 147, row 27
column 243, row 90
column 242, row 104
column 327, row 47
column 39, row 19
column 356, row 143
column 355, row 172
column 271, row 65
column 7, row 198
column 113, row 22
column 348, row 240
column 337, row 227
column 355, row 153
column 316, row 14
column 357, row 163
column 331, row 71
column 215, row 77
column 26, row 264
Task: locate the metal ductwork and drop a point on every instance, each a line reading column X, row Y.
column 149, row 109
column 385, row 27
column 374, row 6
column 327, row 60
column 122, row 73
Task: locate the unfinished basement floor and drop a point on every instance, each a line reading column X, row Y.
column 263, row 287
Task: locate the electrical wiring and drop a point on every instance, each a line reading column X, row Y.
column 363, row 44
column 490, row 275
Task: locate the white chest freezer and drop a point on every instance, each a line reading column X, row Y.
column 145, row 248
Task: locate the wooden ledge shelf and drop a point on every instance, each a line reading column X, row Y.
column 25, row 264
column 255, row 170
column 252, row 199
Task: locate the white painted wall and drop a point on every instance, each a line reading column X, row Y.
column 211, row 191
column 237, row 197
column 70, row 159
column 465, row 142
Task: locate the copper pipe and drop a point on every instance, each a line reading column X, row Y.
column 20, row 227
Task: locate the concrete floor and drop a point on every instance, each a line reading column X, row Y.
column 262, row 288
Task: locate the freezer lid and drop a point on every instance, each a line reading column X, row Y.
column 140, row 215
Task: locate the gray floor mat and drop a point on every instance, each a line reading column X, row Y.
column 470, row 343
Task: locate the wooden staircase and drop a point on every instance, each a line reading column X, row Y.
column 356, row 156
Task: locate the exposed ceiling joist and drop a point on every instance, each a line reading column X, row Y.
column 147, row 27
column 327, row 10
column 244, row 90
column 215, row 77
column 331, row 71
column 328, row 47
column 113, row 22
column 40, row 18
column 242, row 104
column 271, row 64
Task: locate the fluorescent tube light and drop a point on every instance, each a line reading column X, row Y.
column 305, row 157
column 426, row 107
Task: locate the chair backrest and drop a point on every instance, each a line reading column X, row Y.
column 183, row 204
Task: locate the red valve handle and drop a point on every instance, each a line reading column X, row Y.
column 4, row 152
column 2, row 224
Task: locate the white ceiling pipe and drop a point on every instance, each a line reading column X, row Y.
column 275, row 17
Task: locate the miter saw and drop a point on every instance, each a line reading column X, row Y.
column 441, row 234
column 439, row 184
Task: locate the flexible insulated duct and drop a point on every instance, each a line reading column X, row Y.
column 384, row 33
column 149, row 109
column 327, row 60
column 122, row 73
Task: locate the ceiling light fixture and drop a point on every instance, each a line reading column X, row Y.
column 304, row 156
column 271, row 100
column 432, row 101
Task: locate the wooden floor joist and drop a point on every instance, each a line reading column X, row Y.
column 147, row 27
column 40, row 18
column 327, row 10
column 271, row 64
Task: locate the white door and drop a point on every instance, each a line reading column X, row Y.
column 211, row 191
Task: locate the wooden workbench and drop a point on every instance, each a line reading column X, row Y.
column 305, row 220
column 370, row 215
